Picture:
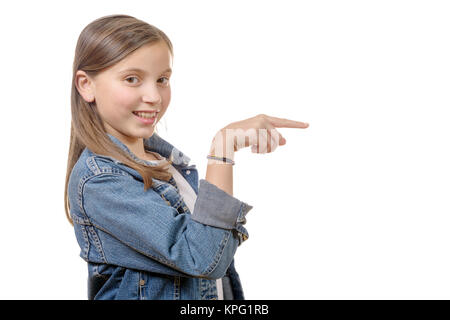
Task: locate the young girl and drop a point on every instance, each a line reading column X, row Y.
column 146, row 226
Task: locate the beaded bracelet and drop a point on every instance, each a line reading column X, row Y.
column 223, row 159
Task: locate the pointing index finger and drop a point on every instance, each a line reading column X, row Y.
column 287, row 123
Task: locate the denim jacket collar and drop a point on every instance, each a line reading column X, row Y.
column 157, row 144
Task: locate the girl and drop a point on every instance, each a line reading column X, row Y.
column 147, row 228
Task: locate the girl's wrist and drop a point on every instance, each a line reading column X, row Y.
column 219, row 160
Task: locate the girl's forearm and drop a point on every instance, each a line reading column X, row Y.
column 217, row 172
column 221, row 175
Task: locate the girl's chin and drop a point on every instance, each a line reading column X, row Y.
column 145, row 134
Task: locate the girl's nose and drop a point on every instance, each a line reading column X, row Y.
column 154, row 99
column 151, row 95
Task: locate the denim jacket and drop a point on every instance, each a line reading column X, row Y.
column 146, row 244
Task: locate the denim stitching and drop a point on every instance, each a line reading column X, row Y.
column 92, row 164
column 81, row 221
column 176, row 292
column 160, row 259
column 86, row 241
column 216, row 259
column 167, row 201
column 80, row 192
column 97, row 242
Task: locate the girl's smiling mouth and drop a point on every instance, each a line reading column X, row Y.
column 147, row 117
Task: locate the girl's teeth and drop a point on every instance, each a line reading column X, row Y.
column 145, row 115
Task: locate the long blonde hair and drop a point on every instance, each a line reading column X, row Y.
column 101, row 44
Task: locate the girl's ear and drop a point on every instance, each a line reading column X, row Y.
column 84, row 86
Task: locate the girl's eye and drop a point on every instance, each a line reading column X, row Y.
column 131, row 78
column 167, row 80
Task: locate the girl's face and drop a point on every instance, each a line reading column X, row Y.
column 139, row 82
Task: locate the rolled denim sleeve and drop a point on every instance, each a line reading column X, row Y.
column 215, row 207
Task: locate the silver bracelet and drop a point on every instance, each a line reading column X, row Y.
column 223, row 159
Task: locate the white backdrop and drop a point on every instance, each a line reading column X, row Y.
column 354, row 207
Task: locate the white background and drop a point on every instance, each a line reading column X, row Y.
column 354, row 207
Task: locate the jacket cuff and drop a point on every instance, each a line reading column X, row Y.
column 215, row 207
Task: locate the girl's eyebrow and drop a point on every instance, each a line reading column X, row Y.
column 142, row 71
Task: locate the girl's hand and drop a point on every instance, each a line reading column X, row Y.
column 259, row 132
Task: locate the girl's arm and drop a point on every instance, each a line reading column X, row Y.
column 221, row 173
column 126, row 217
